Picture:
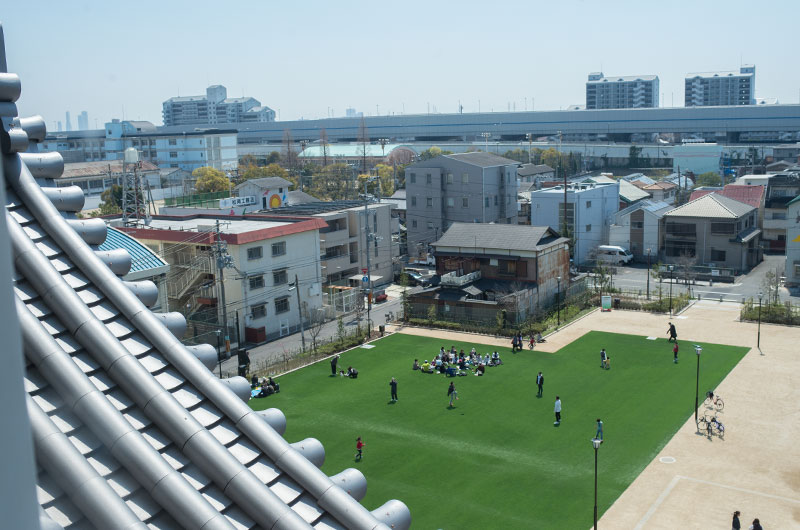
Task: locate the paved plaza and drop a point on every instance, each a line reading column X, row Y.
column 696, row 482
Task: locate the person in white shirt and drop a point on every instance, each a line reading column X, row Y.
column 557, row 410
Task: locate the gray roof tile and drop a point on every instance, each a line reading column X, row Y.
column 496, row 236
column 712, row 206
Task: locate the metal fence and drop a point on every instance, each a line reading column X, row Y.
column 785, row 313
column 202, row 200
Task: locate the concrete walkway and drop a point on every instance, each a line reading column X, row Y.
column 695, row 482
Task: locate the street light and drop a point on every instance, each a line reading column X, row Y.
column 758, row 342
column 698, row 350
column 558, row 302
column 596, row 444
column 670, row 289
column 648, row 274
column 219, row 352
column 296, row 287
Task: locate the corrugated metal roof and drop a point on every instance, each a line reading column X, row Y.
column 102, row 168
column 712, row 206
column 142, row 258
column 348, row 151
column 481, row 159
column 496, row 236
column 630, row 193
column 529, row 170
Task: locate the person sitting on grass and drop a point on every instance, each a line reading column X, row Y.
column 427, row 368
column 496, row 359
column 481, row 369
column 352, row 373
column 487, row 360
column 539, row 337
column 416, row 365
column 274, row 384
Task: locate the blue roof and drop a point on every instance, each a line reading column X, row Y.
column 142, row 258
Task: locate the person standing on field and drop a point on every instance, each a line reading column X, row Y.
column 451, row 391
column 334, row 361
column 540, row 384
column 557, row 410
column 393, row 386
column 675, row 352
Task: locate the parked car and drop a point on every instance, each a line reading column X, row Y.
column 415, row 278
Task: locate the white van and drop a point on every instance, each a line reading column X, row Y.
column 613, row 254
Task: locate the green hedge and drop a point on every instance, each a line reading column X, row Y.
column 786, row 314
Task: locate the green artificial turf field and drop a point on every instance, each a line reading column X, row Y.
column 496, row 460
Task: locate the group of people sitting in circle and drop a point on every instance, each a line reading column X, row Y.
column 453, row 363
column 263, row 387
column 351, row 372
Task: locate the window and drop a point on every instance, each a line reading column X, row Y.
column 257, row 282
column 449, row 178
column 279, row 249
column 507, row 267
column 414, row 200
column 495, row 200
column 281, row 305
column 725, row 229
column 637, row 224
column 681, row 229
column 258, row 311
column 588, row 204
column 414, row 223
column 172, row 141
column 486, row 201
column 588, row 228
column 430, row 225
column 450, row 202
column 173, row 154
column 717, row 255
column 779, row 215
column 428, row 178
column 413, row 178
column 279, row 277
column 255, row 253
column 465, row 202
column 429, row 202
column 465, row 178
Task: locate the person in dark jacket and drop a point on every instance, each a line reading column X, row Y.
column 393, row 387
column 736, row 525
column 672, row 332
column 756, row 525
column 334, row 362
column 540, row 384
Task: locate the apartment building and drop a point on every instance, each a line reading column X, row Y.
column 625, row 92
column 214, row 108
column 708, row 89
column 467, row 188
column 263, row 254
column 185, row 150
column 590, row 210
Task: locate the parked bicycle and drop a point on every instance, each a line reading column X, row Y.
column 711, row 426
column 714, row 402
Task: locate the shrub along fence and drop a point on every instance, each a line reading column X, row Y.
column 774, row 313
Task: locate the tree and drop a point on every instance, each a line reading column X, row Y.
column 404, row 303
column 363, row 144
column 685, row 264
column 247, row 161
column 210, row 180
column 316, row 321
column 111, row 200
column 272, row 170
column 709, row 178
column 520, row 155
column 432, row 311
column 323, row 142
column 433, row 152
column 273, row 157
column 634, row 154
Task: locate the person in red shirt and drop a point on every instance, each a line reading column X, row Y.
column 675, row 352
column 359, row 446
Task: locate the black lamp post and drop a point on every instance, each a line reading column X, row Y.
column 648, row 274
column 596, row 444
column 670, row 289
column 698, row 350
column 758, row 342
column 219, row 352
column 558, row 303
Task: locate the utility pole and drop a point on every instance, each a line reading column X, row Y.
column 300, row 314
column 221, row 264
column 369, row 268
column 560, row 168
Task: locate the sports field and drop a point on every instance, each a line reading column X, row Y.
column 496, row 460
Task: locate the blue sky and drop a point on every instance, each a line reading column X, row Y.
column 313, row 58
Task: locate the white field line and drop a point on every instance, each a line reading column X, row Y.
column 677, row 478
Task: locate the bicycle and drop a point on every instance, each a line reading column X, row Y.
column 712, row 426
column 713, row 401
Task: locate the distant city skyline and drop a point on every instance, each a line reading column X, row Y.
column 317, row 60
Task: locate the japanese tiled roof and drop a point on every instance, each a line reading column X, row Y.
column 130, row 428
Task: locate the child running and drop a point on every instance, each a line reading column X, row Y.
column 359, row 447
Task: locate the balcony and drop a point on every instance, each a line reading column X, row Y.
column 775, row 224
column 451, row 279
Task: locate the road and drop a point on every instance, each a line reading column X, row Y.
column 275, row 350
column 635, row 277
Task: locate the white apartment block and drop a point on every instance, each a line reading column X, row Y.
column 708, row 89
column 590, row 212
column 214, row 108
column 622, row 92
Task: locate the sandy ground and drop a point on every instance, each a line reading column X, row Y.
column 695, row 482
